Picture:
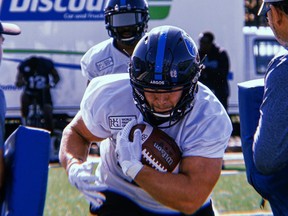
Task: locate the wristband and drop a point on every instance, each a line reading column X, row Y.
column 72, row 161
column 131, row 169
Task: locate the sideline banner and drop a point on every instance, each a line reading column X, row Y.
column 52, row 10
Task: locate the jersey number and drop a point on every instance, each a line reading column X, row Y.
column 37, row 82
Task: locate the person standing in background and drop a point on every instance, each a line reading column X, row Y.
column 8, row 29
column 38, row 75
column 216, row 62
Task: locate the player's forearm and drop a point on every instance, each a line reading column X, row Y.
column 73, row 148
column 171, row 190
column 183, row 192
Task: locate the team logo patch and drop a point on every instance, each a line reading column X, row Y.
column 108, row 62
column 119, row 122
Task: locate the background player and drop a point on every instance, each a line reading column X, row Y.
column 35, row 73
column 126, row 22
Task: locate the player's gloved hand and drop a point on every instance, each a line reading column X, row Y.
column 81, row 176
column 129, row 153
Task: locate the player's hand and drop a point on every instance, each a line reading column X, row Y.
column 129, row 153
column 81, row 176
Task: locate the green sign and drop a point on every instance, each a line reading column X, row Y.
column 159, row 9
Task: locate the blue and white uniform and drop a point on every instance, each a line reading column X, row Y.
column 108, row 105
column 104, row 58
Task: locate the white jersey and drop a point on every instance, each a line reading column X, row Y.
column 108, row 105
column 104, row 58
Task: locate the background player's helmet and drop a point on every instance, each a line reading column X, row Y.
column 132, row 14
column 165, row 58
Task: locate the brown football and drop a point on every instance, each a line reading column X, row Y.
column 159, row 150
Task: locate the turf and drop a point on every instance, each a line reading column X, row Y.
column 231, row 194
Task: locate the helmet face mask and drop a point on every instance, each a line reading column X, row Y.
column 132, row 14
column 124, row 19
column 184, row 105
column 165, row 58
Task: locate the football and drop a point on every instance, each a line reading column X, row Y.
column 159, row 150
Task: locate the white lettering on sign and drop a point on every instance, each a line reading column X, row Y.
column 57, row 5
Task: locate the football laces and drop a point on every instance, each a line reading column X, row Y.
column 154, row 164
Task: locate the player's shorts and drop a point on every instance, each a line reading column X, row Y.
column 116, row 204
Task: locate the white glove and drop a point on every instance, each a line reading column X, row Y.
column 81, row 176
column 129, row 153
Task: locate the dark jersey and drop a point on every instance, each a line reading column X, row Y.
column 36, row 72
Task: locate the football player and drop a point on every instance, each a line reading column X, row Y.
column 37, row 74
column 163, row 83
column 126, row 22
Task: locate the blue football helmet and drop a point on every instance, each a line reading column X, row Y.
column 132, row 14
column 165, row 58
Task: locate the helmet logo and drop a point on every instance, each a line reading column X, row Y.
column 157, row 82
column 173, row 73
column 189, row 45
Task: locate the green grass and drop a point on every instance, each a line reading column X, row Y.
column 231, row 194
column 61, row 198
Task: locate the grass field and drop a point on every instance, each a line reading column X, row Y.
column 232, row 194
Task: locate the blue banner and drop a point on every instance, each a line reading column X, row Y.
column 52, row 10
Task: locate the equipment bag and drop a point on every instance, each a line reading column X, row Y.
column 26, row 165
